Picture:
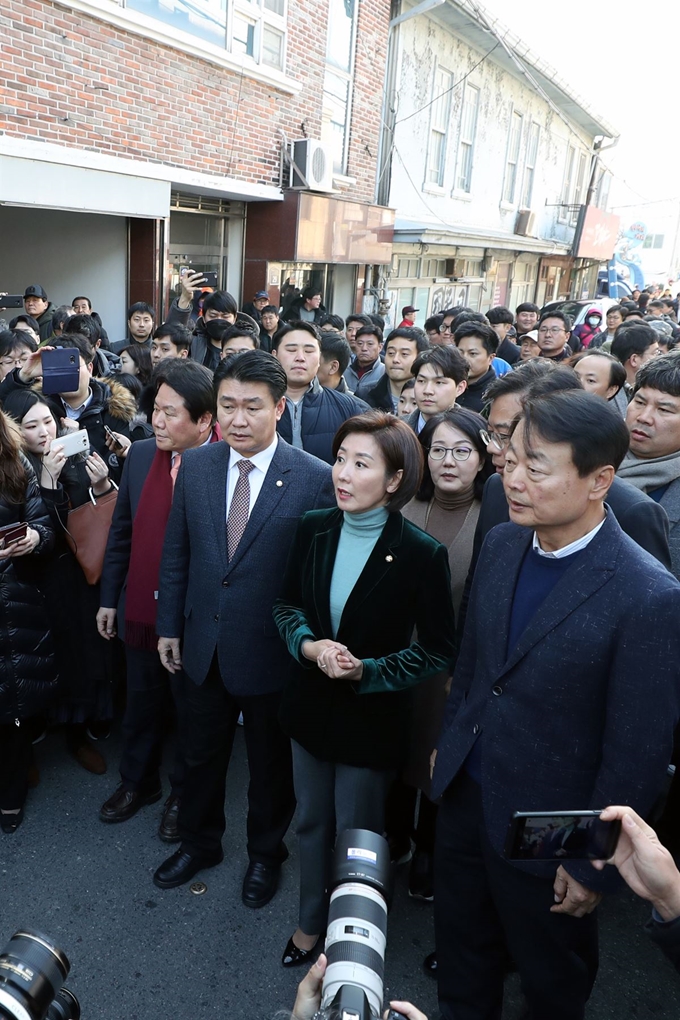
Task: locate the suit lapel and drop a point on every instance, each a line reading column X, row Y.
column 274, row 486
column 325, row 549
column 505, row 572
column 382, row 560
column 216, row 481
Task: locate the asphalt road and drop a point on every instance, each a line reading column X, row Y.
column 138, row 953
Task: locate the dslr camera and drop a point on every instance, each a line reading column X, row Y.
column 357, row 928
column 32, row 975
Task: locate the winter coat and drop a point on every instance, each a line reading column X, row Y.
column 292, row 313
column 28, row 676
column 45, row 321
column 323, row 412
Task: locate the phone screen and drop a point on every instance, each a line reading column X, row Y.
column 577, row 835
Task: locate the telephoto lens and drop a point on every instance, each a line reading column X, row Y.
column 32, row 972
column 357, row 927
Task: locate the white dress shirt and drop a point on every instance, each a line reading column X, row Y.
column 261, row 463
column 573, row 547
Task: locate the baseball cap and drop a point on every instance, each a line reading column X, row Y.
column 35, row 290
column 409, row 308
column 532, row 335
column 261, row 294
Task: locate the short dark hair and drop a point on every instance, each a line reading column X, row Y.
column 272, row 309
column 468, row 422
column 141, row 306
column 61, row 315
column 616, row 308
column 518, row 381
column 480, row 330
column 336, row 321
column 556, row 314
column 498, row 314
column 192, row 381
column 233, row 331
column 633, row 340
column 617, row 373
column 132, row 383
column 80, row 343
column 563, row 378
column 527, row 306
column 358, row 317
column 410, row 384
column 141, row 357
column 370, row 331
column 176, row 333
column 220, row 301
column 296, row 324
column 86, row 325
column 433, row 323
column 378, row 321
column 334, row 347
column 662, row 373
column 310, row 292
column 254, row 367
column 12, row 339
column 657, row 303
column 399, row 446
column 632, row 313
column 81, row 297
column 594, row 430
column 28, row 319
column 416, row 335
column 449, row 359
column 466, row 316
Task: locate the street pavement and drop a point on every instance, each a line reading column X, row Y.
column 138, row 953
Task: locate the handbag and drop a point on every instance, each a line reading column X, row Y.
column 88, row 532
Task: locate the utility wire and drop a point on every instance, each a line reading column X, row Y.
column 452, row 87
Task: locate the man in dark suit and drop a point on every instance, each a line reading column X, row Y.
column 234, row 514
column 183, row 416
column 568, row 701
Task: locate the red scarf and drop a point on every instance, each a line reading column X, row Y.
column 148, row 534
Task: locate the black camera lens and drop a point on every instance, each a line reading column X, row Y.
column 64, row 1007
column 32, row 970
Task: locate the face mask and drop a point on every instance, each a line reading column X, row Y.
column 592, row 321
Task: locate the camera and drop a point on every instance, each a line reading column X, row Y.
column 357, row 928
column 32, row 974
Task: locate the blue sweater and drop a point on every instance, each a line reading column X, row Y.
column 358, row 536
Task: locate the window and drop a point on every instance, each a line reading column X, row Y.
column 433, row 268
column 336, row 107
column 466, row 141
column 439, row 125
column 255, row 29
column 530, row 164
column 653, row 241
column 574, row 185
column 407, row 269
column 514, row 140
column 580, row 186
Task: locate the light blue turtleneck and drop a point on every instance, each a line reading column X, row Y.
column 358, row 536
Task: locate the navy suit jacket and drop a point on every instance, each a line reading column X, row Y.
column 225, row 606
column 580, row 713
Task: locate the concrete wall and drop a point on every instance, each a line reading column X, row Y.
column 69, row 254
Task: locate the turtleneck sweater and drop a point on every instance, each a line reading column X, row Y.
column 358, row 536
column 447, row 513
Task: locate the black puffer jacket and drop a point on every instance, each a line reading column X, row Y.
column 28, row 675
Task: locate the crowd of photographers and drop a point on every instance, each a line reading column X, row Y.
column 457, row 473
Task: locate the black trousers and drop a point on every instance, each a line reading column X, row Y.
column 212, row 716
column 16, row 755
column 405, row 810
column 150, row 687
column 481, row 904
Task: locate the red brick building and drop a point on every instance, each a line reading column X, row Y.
column 137, row 137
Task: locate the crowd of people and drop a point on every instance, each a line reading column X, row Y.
column 370, row 551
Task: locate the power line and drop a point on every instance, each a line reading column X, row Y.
column 452, row 87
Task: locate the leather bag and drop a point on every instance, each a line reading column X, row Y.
column 88, row 531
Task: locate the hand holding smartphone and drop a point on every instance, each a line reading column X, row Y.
column 561, row 836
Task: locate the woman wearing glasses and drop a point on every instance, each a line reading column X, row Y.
column 446, row 506
column 366, row 613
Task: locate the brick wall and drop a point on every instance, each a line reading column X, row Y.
column 74, row 80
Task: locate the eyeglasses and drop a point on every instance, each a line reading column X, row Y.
column 551, row 330
column 497, row 439
column 445, row 329
column 458, row 452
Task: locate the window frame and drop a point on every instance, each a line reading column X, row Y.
column 469, row 151
column 529, row 166
column 348, row 77
column 516, row 118
column 439, row 93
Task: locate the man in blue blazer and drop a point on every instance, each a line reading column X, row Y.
column 565, row 697
column 234, row 514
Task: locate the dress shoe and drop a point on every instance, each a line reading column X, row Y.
column 123, row 804
column 430, row 965
column 420, row 877
column 400, row 849
column 182, row 867
column 88, row 757
column 168, row 830
column 293, row 955
column 11, row 820
column 99, row 729
column 260, row 884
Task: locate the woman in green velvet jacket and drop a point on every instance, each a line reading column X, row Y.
column 366, row 612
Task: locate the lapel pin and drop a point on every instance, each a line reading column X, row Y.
column 388, row 559
column 279, row 483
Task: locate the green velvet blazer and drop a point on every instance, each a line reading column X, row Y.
column 404, row 589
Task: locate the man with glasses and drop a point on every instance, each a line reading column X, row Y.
column 554, row 331
column 366, row 368
column 445, row 337
column 16, row 347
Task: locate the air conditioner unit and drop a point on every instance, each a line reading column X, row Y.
column 524, row 223
column 314, row 162
column 454, row 268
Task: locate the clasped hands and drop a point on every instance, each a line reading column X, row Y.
column 334, row 659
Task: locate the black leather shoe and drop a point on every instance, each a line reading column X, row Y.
column 293, row 955
column 420, row 877
column 10, row 821
column 168, row 830
column 123, row 804
column 430, row 965
column 260, row 884
column 182, row 867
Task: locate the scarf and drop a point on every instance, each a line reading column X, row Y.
column 649, row 475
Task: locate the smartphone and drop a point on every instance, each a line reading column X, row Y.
column 11, row 301
column 12, row 533
column 60, row 370
column 210, row 280
column 112, row 435
column 73, row 443
column 561, row 836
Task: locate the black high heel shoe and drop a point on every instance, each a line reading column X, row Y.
column 10, row 821
column 293, row 956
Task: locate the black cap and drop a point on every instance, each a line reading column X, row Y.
column 35, row 290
